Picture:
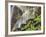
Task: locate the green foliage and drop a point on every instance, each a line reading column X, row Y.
column 33, row 24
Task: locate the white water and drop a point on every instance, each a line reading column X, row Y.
column 27, row 14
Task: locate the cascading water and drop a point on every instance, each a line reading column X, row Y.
column 28, row 13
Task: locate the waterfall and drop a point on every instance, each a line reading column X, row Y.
column 27, row 14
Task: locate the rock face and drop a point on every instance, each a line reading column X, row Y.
column 21, row 14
